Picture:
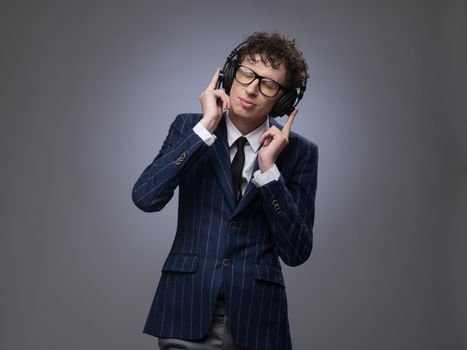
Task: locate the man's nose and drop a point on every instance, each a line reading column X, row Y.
column 252, row 88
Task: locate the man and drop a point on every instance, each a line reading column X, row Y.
column 246, row 197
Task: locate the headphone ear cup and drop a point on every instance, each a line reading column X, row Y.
column 229, row 73
column 284, row 105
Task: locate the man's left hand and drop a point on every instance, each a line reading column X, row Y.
column 273, row 142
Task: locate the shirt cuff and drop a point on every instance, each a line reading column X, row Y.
column 205, row 135
column 260, row 179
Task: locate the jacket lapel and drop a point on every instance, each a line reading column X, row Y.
column 220, row 160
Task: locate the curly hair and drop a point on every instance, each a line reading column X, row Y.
column 274, row 49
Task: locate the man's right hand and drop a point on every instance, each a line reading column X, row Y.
column 213, row 103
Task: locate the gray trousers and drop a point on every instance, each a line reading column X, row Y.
column 219, row 336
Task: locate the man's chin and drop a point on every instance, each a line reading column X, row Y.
column 252, row 119
column 240, row 113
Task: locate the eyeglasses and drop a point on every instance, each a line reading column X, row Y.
column 268, row 87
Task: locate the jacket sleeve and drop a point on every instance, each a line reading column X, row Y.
column 290, row 207
column 181, row 148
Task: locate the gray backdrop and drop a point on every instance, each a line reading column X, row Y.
column 88, row 90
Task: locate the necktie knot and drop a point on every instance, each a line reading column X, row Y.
column 241, row 141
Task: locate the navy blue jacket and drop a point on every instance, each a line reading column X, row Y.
column 219, row 241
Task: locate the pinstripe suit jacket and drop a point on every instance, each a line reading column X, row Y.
column 219, row 241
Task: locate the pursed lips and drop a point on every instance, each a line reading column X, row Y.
column 248, row 102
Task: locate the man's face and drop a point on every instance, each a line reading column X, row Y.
column 247, row 104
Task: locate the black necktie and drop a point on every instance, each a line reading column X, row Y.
column 237, row 168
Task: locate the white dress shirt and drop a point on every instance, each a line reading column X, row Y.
column 251, row 151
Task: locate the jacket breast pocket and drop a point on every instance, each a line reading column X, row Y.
column 181, row 263
column 268, row 273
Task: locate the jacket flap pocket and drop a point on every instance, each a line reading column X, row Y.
column 181, row 263
column 268, row 273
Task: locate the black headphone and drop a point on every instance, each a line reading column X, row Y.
column 286, row 103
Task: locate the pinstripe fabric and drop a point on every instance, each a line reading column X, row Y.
column 269, row 222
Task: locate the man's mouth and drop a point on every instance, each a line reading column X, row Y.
column 246, row 103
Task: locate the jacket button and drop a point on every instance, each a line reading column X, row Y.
column 226, row 262
column 181, row 158
column 232, row 224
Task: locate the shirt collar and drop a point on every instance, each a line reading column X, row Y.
column 253, row 137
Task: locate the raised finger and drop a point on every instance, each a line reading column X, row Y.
column 288, row 123
column 213, row 82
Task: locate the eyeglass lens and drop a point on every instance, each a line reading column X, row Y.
column 267, row 86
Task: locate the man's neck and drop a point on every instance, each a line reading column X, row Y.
column 245, row 126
